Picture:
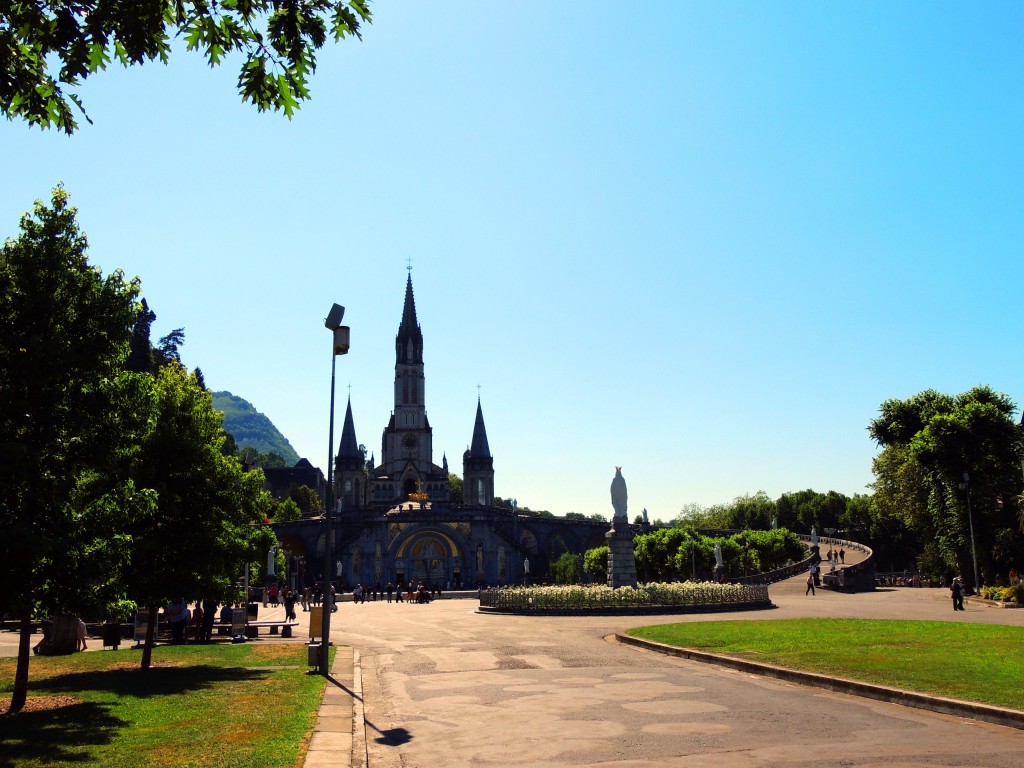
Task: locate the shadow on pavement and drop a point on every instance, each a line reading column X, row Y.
column 394, row 737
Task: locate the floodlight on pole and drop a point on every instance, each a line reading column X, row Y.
column 339, row 346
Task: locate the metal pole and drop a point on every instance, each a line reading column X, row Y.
column 328, row 602
column 970, row 521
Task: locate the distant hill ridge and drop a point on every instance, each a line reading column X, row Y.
column 252, row 429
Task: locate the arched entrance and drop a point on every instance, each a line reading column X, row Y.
column 429, row 557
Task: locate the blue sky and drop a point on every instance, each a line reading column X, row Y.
column 702, row 241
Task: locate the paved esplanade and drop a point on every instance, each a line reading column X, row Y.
column 445, row 686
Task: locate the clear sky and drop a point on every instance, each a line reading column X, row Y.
column 703, row 241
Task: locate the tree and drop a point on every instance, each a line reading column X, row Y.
column 566, row 569
column 286, row 511
column 929, row 443
column 801, row 510
column 209, row 515
column 305, row 498
column 268, row 460
column 455, row 484
column 66, row 332
column 278, row 41
column 655, row 551
column 595, row 562
column 693, row 514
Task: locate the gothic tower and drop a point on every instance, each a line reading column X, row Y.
column 407, row 451
column 349, row 476
column 478, row 466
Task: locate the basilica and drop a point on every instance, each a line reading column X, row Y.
column 399, row 521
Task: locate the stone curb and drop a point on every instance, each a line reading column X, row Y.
column 1011, row 718
column 334, row 738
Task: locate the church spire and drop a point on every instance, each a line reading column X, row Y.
column 409, row 342
column 479, row 448
column 349, row 448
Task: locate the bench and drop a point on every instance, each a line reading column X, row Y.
column 252, row 629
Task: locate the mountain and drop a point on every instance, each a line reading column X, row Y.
column 252, row 429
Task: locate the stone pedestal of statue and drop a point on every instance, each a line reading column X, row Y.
column 621, row 563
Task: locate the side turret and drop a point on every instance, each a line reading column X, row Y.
column 478, row 466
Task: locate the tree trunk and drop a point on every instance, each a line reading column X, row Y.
column 147, row 649
column 20, row 694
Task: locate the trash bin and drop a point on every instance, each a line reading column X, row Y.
column 313, row 649
column 111, row 634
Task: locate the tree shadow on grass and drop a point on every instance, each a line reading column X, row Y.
column 58, row 736
column 158, row 681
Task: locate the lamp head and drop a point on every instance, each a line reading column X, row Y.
column 334, row 317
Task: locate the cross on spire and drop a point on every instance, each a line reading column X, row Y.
column 408, row 263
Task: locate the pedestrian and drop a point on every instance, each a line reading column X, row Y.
column 45, row 644
column 957, row 593
column 196, row 622
column 83, row 631
column 390, row 590
column 289, row 606
column 842, row 556
column 810, row 582
column 209, row 617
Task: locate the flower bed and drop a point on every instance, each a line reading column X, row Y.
column 685, row 597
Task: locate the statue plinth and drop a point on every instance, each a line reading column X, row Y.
column 621, row 563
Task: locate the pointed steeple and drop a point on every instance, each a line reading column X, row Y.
column 479, row 448
column 409, row 342
column 349, row 448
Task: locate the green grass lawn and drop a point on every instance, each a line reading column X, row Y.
column 207, row 705
column 976, row 662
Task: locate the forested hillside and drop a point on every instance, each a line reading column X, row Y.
column 252, row 429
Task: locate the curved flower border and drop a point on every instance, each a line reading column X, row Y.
column 702, row 595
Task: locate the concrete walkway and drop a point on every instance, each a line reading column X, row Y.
column 442, row 685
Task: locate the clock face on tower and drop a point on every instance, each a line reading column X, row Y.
column 410, row 443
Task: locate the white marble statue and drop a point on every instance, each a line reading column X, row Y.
column 271, row 557
column 618, row 495
column 814, row 537
column 719, row 561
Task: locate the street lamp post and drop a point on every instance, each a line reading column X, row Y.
column 965, row 486
column 339, row 346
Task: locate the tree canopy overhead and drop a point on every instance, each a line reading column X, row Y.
column 48, row 47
